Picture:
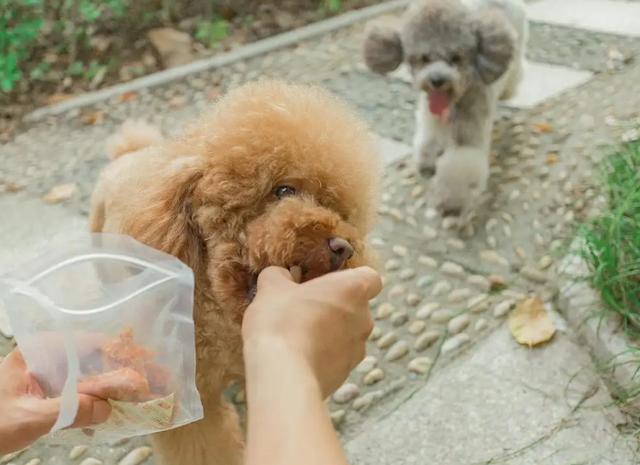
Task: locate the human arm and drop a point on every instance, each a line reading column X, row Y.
column 300, row 343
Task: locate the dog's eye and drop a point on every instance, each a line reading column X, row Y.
column 455, row 58
column 284, row 191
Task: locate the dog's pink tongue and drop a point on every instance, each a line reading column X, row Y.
column 439, row 103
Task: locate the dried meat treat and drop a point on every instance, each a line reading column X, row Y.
column 123, row 384
column 123, row 352
column 158, row 377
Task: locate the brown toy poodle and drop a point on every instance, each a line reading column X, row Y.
column 276, row 174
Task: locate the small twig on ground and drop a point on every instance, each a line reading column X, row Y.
column 562, row 424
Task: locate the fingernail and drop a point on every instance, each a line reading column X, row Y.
column 100, row 412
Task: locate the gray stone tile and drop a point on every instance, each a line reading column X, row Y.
column 502, row 403
column 614, row 17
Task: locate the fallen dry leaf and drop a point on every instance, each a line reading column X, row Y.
column 127, row 97
column 57, row 98
column 5, row 136
column 552, row 158
column 95, row 117
column 12, row 188
column 530, row 324
column 60, row 193
column 177, row 101
column 543, row 128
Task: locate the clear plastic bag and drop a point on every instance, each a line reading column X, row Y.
column 105, row 311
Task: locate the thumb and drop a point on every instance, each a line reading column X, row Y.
column 274, row 276
column 365, row 281
column 91, row 411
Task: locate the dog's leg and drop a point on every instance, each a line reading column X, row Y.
column 512, row 80
column 426, row 146
column 515, row 73
column 214, row 440
column 460, row 180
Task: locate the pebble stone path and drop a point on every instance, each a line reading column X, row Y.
column 445, row 289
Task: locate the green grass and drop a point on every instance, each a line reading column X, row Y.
column 613, row 239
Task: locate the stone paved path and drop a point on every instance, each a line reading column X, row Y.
column 486, row 406
column 441, row 375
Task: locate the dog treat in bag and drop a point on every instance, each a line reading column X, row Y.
column 105, row 315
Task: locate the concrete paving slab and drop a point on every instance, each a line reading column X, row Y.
column 615, row 17
column 541, row 82
column 502, row 403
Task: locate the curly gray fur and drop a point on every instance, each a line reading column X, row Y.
column 382, row 49
column 463, row 55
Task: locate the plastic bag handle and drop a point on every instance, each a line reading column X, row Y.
column 81, row 258
column 91, row 256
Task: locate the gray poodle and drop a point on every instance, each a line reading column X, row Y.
column 464, row 55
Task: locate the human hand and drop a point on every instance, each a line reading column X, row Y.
column 25, row 413
column 323, row 323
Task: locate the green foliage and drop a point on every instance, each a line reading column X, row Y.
column 70, row 21
column 75, row 69
column 20, row 24
column 45, row 40
column 39, row 71
column 612, row 240
column 332, row 6
column 212, row 32
column 93, row 69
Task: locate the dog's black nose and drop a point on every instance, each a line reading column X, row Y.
column 437, row 81
column 341, row 249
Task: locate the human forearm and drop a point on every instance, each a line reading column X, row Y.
column 300, row 343
column 288, row 421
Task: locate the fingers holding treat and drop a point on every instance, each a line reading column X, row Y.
column 125, row 384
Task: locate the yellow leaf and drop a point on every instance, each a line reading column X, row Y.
column 57, row 98
column 177, row 102
column 543, row 127
column 95, row 117
column 12, row 188
column 127, row 96
column 530, row 324
column 60, row 192
column 552, row 158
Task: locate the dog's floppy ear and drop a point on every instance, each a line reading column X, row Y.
column 164, row 217
column 496, row 44
column 382, row 49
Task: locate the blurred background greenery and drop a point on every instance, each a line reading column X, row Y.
column 57, row 47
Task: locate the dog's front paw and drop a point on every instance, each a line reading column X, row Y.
column 425, row 169
column 425, row 157
column 447, row 199
column 460, row 181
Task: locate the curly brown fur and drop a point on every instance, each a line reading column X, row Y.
column 208, row 197
column 133, row 135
